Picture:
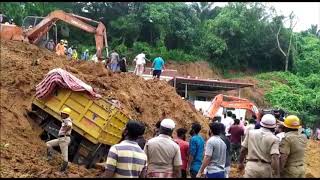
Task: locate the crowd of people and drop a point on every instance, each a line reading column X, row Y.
column 114, row 62
column 272, row 149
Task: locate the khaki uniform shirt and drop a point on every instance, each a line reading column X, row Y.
column 163, row 153
column 64, row 130
column 294, row 145
column 261, row 144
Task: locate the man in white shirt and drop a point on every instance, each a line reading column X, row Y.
column 140, row 61
column 228, row 122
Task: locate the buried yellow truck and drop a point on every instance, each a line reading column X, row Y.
column 97, row 124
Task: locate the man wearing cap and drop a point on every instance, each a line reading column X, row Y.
column 63, row 138
column 127, row 159
column 292, row 148
column 60, row 48
column 163, row 154
column 262, row 149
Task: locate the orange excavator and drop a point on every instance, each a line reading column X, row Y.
column 33, row 35
column 232, row 102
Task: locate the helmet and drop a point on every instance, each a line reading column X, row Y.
column 66, row 111
column 87, row 50
column 292, row 122
column 168, row 123
column 268, row 121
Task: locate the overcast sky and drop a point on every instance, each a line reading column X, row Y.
column 307, row 12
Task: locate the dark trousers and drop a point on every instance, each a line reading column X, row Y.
column 183, row 174
column 235, row 151
column 193, row 174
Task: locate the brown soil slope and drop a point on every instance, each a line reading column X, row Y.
column 22, row 152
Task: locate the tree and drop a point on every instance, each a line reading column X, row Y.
column 286, row 54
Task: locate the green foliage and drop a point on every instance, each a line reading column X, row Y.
column 308, row 59
column 300, row 95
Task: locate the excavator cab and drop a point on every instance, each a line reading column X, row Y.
column 31, row 21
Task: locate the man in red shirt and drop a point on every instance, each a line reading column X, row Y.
column 236, row 132
column 184, row 149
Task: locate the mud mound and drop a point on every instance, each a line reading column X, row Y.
column 22, row 152
column 199, row 69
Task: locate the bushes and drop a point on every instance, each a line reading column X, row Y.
column 299, row 95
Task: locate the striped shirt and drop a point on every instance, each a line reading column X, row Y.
column 126, row 160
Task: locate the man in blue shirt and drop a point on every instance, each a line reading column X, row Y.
column 157, row 65
column 196, row 147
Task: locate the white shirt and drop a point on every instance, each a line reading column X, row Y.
column 227, row 122
column 140, row 59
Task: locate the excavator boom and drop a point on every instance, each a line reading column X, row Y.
column 231, row 102
column 36, row 33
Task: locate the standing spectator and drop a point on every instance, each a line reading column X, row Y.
column 158, row 66
column 261, row 147
column 257, row 126
column 85, row 55
column 60, row 48
column 51, row 45
column 127, row 159
column 184, row 150
column 94, row 58
column 227, row 122
column 292, row 149
column 251, row 125
column 114, row 61
column 157, row 129
column 74, row 53
column 236, row 132
column 308, row 132
column 69, row 53
column 318, row 134
column 228, row 153
column 123, row 64
column 215, row 154
column 164, row 158
column 196, row 148
column 140, row 61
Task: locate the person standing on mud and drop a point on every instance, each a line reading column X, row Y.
column 158, row 66
column 163, row 154
column 184, row 150
column 140, row 61
column 228, row 150
column 292, row 149
column 63, row 138
column 127, row 159
column 215, row 154
column 261, row 147
column 196, row 148
column 114, row 61
column 123, row 64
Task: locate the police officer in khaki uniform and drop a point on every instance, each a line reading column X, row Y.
column 64, row 138
column 292, row 148
column 262, row 149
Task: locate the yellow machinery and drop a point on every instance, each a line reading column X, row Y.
column 97, row 124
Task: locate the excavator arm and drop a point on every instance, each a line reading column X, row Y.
column 231, row 102
column 35, row 34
